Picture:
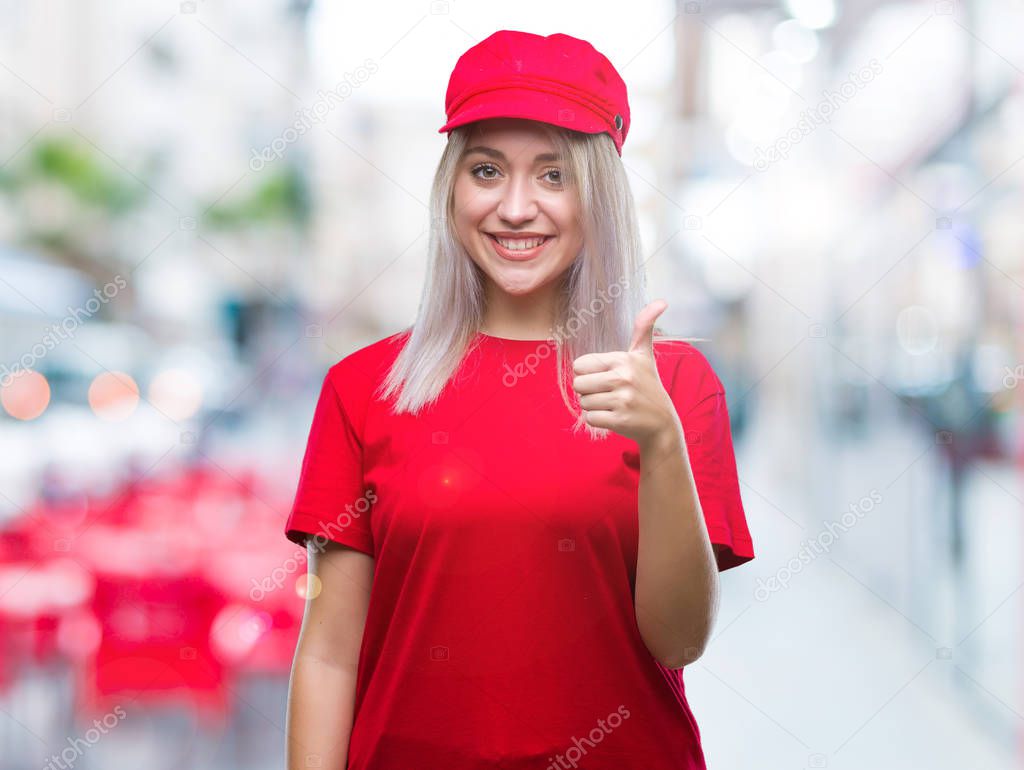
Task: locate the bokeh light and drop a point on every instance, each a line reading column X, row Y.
column 25, row 394
column 113, row 396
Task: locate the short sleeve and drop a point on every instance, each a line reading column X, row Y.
column 700, row 400
column 330, row 501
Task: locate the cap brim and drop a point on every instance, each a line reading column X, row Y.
column 530, row 105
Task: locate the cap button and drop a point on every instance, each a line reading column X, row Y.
column 618, row 122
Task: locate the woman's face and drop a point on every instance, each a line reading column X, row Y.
column 511, row 194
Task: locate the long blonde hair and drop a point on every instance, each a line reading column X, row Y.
column 602, row 290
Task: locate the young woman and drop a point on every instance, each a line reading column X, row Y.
column 516, row 509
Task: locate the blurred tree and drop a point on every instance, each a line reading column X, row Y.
column 280, row 197
column 65, row 197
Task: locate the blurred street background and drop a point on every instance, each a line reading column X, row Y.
column 203, row 206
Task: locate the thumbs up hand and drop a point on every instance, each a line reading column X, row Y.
column 621, row 390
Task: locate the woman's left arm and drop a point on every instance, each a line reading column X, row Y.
column 677, row 591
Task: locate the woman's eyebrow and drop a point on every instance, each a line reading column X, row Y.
column 498, row 154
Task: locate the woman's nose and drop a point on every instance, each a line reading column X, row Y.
column 518, row 202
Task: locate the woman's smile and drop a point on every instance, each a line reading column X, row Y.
column 519, row 248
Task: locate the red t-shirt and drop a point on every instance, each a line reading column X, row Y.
column 501, row 630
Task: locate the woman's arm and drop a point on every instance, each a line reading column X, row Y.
column 321, row 694
column 676, row 592
column 677, row 585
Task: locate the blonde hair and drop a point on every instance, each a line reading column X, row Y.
column 602, row 290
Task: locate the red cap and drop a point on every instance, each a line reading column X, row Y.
column 556, row 79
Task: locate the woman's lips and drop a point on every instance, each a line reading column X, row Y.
column 518, row 255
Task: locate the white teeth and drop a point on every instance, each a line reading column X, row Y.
column 521, row 244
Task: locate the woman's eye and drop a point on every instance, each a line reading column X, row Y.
column 558, row 175
column 483, row 167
